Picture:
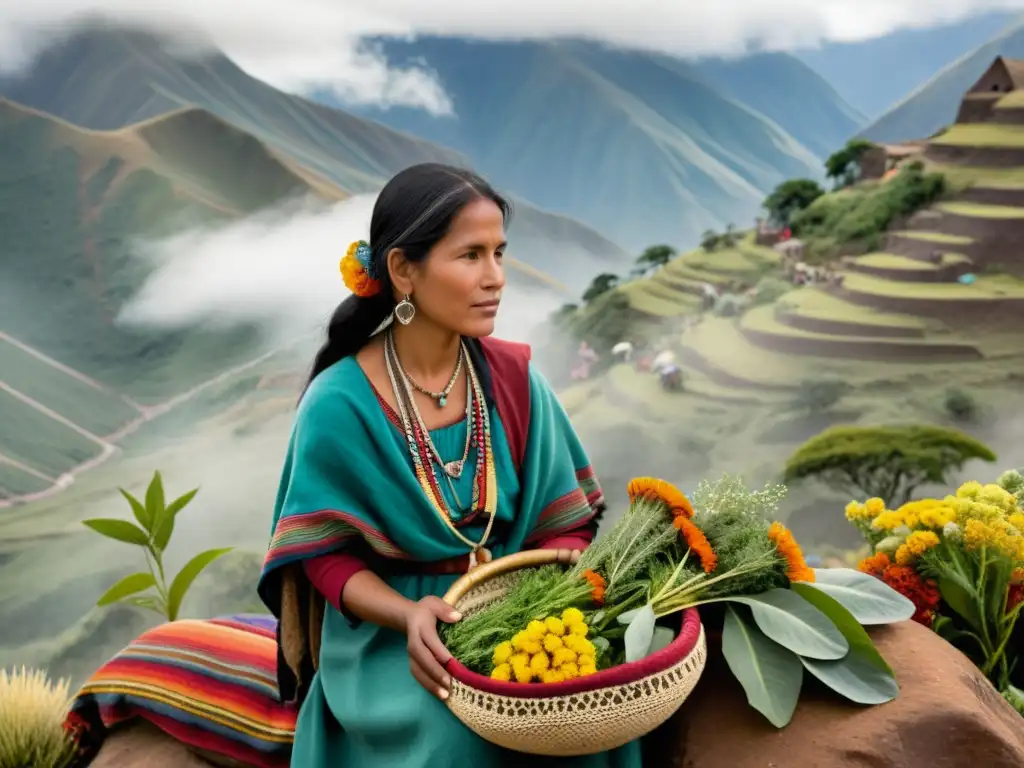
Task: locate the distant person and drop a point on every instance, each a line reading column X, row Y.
column 410, row 461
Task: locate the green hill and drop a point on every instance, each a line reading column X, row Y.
column 645, row 148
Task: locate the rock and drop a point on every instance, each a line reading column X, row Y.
column 142, row 745
column 947, row 715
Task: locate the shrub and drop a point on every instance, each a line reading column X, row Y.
column 961, row 406
column 819, row 395
column 32, row 713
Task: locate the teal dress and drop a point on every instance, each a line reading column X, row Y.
column 348, row 478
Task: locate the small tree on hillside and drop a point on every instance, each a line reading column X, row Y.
column 600, row 285
column 818, row 395
column 655, row 256
column 887, row 462
column 709, row 240
column 843, row 167
column 789, row 198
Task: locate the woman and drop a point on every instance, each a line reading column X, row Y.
column 420, row 448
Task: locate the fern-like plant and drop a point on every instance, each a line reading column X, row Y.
column 149, row 589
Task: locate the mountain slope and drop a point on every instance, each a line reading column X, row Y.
column 874, row 75
column 645, row 148
column 935, row 104
column 107, row 79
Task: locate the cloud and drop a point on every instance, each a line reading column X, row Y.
column 308, row 45
column 277, row 271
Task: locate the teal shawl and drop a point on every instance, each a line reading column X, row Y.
column 348, row 485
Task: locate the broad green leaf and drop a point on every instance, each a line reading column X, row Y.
column 862, row 675
column 601, row 644
column 962, row 598
column 628, row 616
column 181, row 502
column 870, row 600
column 662, row 637
column 165, row 525
column 120, row 530
column 795, row 624
column 129, row 585
column 639, row 633
column 771, row 676
column 186, row 576
column 139, row 510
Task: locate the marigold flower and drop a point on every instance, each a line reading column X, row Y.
column 598, row 583
column 923, row 593
column 874, row 564
column 519, row 639
column 355, row 277
column 570, row 670
column 502, row 652
column 539, row 662
column 562, row 656
column 874, row 506
column 522, row 673
column 519, row 658
column 552, row 676
column 554, row 626
column 585, row 660
column 502, row 672
column 659, row 490
column 1017, row 521
column 579, row 629
column 572, row 616
column 697, row 542
column 915, row 545
column 552, row 643
column 789, row 550
column 588, row 669
column 535, row 630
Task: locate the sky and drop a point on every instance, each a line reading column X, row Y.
column 320, row 45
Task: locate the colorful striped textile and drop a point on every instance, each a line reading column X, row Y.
column 212, row 685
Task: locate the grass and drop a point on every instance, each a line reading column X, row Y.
column 1012, row 100
column 33, row 438
column 982, row 211
column 812, row 302
column 982, row 135
column 894, row 261
column 985, row 287
column 961, row 177
column 650, row 300
column 17, row 482
column 935, row 237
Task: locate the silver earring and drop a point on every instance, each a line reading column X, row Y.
column 405, row 311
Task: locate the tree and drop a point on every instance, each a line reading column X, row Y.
column 709, row 240
column 843, row 167
column 887, row 462
column 961, row 406
column 789, row 198
column 655, row 256
column 601, row 284
column 729, row 237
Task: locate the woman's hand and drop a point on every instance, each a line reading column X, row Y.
column 427, row 654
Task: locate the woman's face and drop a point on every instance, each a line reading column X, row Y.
column 459, row 284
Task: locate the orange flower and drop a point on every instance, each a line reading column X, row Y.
column 923, row 593
column 598, row 583
column 660, row 490
column 697, row 542
column 875, row 565
column 797, row 569
column 355, row 277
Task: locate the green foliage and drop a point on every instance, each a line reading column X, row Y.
column 730, row 305
column 769, row 290
column 790, row 198
column 156, row 518
column 656, row 256
column 818, row 395
column 32, row 713
column 599, row 286
column 887, row 462
column 960, row 405
column 843, row 166
column 710, row 240
column 859, row 216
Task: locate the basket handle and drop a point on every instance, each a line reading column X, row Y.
column 530, row 558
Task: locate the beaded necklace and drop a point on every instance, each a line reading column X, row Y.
column 425, row 455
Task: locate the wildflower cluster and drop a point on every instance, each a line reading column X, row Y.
column 960, row 560
column 549, row 651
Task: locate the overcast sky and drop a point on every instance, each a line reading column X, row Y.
column 301, row 45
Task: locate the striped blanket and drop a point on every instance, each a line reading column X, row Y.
column 212, row 685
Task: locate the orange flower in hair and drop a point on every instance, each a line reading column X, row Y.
column 796, row 567
column 697, row 542
column 659, row 490
column 357, row 270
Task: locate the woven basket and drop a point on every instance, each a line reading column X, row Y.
column 578, row 717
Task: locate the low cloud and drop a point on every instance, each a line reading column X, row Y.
column 308, row 45
column 277, row 271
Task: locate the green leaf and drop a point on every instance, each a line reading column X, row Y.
column 186, row 576
column 165, row 526
column 149, row 603
column 181, row 502
column 155, row 497
column 625, row 618
column 862, row 675
column 795, row 624
column 139, row 510
column 662, row 637
column 640, row 633
column 129, row 585
column 962, row 598
column 771, row 676
column 870, row 600
column 120, row 530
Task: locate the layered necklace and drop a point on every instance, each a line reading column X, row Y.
column 426, row 459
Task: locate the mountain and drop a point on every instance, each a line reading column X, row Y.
column 106, row 79
column 934, row 105
column 643, row 147
column 873, row 75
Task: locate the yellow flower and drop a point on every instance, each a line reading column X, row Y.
column 552, row 643
column 502, row 672
column 579, row 630
column 874, row 506
column 562, row 656
column 997, row 535
column 523, row 674
column 572, row 616
column 570, row 670
column 532, row 646
column 887, row 521
column 1017, row 521
column 937, row 517
column 539, row 662
column 584, row 660
column 554, row 626
column 535, row 630
column 587, row 669
column 552, row 676
column 998, row 496
column 502, row 652
column 519, row 658
column 519, row 639
column 856, row 511
column 969, row 490
column 914, row 546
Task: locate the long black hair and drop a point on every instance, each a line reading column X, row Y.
column 413, row 211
